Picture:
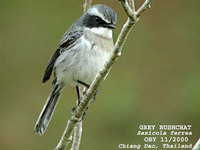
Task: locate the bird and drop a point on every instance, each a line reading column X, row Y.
column 82, row 53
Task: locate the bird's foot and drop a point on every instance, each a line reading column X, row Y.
column 95, row 96
column 85, row 94
column 82, row 118
column 73, row 109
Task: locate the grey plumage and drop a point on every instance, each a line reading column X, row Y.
column 81, row 54
column 69, row 37
column 48, row 109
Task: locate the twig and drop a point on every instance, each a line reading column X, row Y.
column 133, row 18
column 146, row 5
column 132, row 4
column 66, row 138
column 78, row 129
column 87, row 5
column 197, row 145
column 77, row 136
column 129, row 11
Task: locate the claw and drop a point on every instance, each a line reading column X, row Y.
column 82, row 118
column 73, row 109
column 95, row 96
column 85, row 94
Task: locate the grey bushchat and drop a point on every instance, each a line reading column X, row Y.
column 81, row 54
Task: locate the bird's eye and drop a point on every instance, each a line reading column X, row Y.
column 97, row 19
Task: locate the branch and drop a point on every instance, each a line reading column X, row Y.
column 133, row 18
column 146, row 5
column 77, row 136
column 128, row 9
column 87, row 5
column 132, row 4
column 197, row 145
column 65, row 141
column 78, row 129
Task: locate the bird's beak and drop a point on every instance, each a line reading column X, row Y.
column 109, row 26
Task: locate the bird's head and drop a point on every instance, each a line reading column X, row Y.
column 100, row 19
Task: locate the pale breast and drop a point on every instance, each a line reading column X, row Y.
column 96, row 58
column 103, row 40
column 86, row 59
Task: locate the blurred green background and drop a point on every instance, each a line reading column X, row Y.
column 155, row 81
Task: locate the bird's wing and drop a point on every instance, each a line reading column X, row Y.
column 68, row 39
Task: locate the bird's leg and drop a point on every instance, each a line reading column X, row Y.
column 78, row 94
column 78, row 102
column 79, row 99
column 88, row 86
column 84, row 94
column 84, row 84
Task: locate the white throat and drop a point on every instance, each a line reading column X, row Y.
column 104, row 32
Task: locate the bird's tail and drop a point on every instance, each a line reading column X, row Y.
column 47, row 110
